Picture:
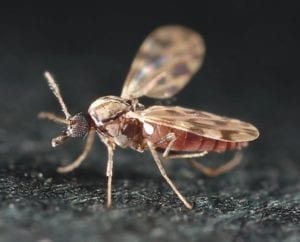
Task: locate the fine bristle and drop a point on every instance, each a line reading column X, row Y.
column 55, row 89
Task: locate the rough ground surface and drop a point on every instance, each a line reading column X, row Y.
column 248, row 204
column 243, row 77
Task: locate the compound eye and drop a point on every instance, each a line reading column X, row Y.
column 78, row 126
column 73, row 123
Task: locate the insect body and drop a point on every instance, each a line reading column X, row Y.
column 164, row 64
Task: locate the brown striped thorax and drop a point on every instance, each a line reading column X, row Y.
column 101, row 115
column 108, row 108
column 164, row 64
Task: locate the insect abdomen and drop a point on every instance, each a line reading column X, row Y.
column 187, row 141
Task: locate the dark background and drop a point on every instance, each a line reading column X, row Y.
column 251, row 72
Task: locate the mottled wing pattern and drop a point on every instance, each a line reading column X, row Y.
column 199, row 122
column 165, row 62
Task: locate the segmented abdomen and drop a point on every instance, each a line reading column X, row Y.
column 186, row 141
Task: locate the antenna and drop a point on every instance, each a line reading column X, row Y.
column 55, row 89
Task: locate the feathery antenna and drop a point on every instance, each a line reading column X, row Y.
column 55, row 89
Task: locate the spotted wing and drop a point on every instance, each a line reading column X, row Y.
column 165, row 62
column 201, row 123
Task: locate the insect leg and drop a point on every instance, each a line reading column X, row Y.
column 109, row 172
column 171, row 138
column 80, row 159
column 219, row 170
column 52, row 117
column 165, row 176
column 186, row 156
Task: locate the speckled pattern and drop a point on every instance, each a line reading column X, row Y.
column 249, row 204
column 243, row 77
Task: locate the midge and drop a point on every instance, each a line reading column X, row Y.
column 164, row 64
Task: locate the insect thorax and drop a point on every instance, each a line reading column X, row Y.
column 108, row 108
column 108, row 115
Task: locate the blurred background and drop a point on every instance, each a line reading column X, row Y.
column 251, row 72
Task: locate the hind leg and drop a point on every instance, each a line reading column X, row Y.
column 165, row 176
column 208, row 171
column 212, row 172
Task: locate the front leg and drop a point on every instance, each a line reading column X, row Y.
column 83, row 155
column 109, row 170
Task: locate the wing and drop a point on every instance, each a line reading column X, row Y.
column 165, row 62
column 198, row 122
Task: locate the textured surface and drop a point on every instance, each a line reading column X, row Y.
column 244, row 205
column 245, row 76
